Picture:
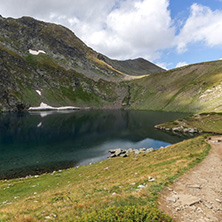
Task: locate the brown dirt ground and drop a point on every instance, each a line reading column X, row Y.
column 197, row 195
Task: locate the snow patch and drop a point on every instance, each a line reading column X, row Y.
column 33, row 52
column 39, row 125
column 44, row 106
column 43, row 114
column 39, row 92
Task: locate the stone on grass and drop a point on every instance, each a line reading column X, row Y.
column 172, row 199
column 195, row 186
column 151, row 179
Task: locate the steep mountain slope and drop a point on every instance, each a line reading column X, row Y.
column 193, row 88
column 65, row 48
column 21, row 77
column 134, row 67
column 67, row 72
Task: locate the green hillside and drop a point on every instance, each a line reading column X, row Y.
column 70, row 73
column 22, row 76
column 205, row 123
column 194, row 88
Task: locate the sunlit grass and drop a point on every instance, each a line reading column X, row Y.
column 206, row 122
column 72, row 193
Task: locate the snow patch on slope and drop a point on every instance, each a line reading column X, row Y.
column 33, row 52
column 44, row 106
column 39, row 92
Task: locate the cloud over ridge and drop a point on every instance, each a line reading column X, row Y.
column 125, row 29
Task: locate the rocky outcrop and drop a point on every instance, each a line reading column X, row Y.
column 125, row 152
column 179, row 129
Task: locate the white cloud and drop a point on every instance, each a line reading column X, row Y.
column 124, row 29
column 118, row 28
column 203, row 25
column 137, row 29
column 180, row 64
column 162, row 65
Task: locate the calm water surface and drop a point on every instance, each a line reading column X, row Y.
column 33, row 143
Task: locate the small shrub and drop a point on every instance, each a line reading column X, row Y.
column 126, row 213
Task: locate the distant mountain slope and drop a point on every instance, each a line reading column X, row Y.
column 193, row 88
column 134, row 67
column 62, row 45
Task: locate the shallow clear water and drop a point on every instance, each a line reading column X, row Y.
column 32, row 143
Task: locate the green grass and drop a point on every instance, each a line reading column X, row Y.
column 179, row 89
column 182, row 90
column 206, row 122
column 132, row 213
column 67, row 87
column 40, row 60
column 89, row 190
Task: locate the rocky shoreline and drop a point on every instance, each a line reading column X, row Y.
column 126, row 152
column 179, row 129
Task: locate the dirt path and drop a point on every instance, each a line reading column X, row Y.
column 197, row 195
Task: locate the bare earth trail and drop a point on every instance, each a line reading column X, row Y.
column 197, row 195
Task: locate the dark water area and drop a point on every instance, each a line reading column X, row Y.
column 33, row 143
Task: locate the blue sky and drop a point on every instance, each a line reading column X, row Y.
column 181, row 8
column 196, row 51
column 170, row 33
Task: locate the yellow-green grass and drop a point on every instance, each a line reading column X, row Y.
column 85, row 192
column 206, row 122
column 192, row 89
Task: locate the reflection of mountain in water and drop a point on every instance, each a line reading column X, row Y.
column 41, row 142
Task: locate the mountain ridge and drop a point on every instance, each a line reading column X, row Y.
column 69, row 73
column 63, row 45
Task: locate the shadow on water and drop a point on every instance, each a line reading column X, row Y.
column 33, row 143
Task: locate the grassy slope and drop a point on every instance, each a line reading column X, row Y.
column 66, row 195
column 194, row 88
column 58, row 85
column 183, row 89
column 67, row 93
column 206, row 122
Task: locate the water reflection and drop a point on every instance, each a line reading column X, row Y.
column 38, row 142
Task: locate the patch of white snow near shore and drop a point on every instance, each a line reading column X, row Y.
column 39, row 125
column 33, row 52
column 44, row 106
column 39, row 92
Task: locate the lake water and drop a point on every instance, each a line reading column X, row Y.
column 33, row 143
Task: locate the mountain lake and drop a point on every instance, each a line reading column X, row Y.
column 37, row 142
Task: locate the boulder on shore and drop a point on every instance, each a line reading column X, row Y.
column 179, row 129
column 125, row 152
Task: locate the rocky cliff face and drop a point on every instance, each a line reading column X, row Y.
column 66, row 72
